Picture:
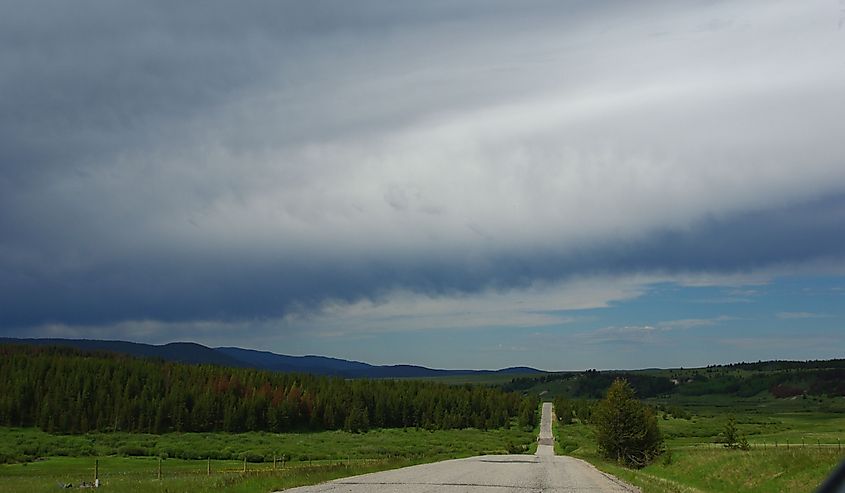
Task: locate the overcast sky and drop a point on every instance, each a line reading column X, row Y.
column 472, row 184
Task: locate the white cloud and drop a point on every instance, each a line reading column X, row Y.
column 799, row 315
column 540, row 305
column 462, row 142
column 649, row 333
column 567, row 145
column 691, row 323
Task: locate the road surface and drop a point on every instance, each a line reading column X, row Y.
column 543, row 472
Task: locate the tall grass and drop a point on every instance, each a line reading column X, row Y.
column 129, row 462
column 695, row 462
column 133, row 475
column 718, row 470
column 27, row 444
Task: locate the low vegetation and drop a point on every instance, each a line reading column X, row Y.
column 780, row 379
column 32, row 445
column 140, row 475
column 764, row 427
column 728, row 444
column 129, row 461
column 717, row 470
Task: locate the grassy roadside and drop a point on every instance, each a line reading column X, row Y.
column 129, row 462
column 22, row 444
column 139, row 474
column 694, row 463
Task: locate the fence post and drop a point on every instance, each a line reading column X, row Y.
column 787, row 444
column 274, row 462
column 209, row 466
column 244, row 463
column 159, row 468
column 96, row 473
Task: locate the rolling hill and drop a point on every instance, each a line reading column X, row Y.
column 193, row 353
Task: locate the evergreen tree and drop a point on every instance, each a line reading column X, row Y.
column 731, row 437
column 528, row 413
column 80, row 391
column 563, row 410
column 357, row 420
column 626, row 429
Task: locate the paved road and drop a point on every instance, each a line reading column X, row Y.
column 543, row 472
column 546, row 440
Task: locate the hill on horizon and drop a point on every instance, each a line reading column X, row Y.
column 194, row 353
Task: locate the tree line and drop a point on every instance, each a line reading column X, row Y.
column 809, row 379
column 593, row 384
column 780, row 384
column 779, row 365
column 567, row 410
column 60, row 389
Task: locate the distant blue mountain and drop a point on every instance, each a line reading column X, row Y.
column 181, row 352
column 189, row 352
column 321, row 365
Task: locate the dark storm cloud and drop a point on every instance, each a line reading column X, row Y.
column 232, row 288
column 178, row 162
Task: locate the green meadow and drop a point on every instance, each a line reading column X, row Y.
column 795, row 442
column 140, row 474
column 794, row 446
column 129, row 462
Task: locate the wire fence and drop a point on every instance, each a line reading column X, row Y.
column 167, row 468
column 785, row 444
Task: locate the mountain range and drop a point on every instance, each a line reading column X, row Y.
column 193, row 353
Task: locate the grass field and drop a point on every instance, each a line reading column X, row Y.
column 473, row 378
column 808, row 448
column 140, row 474
column 129, row 462
column 795, row 443
column 29, row 444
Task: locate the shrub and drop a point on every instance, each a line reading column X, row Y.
column 626, row 429
column 252, row 456
column 514, row 448
column 782, row 391
column 132, row 451
column 731, row 437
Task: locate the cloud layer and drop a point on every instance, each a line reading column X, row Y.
column 232, row 163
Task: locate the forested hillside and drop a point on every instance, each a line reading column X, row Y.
column 67, row 390
column 191, row 352
column 779, row 378
column 593, row 384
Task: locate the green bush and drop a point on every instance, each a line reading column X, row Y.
column 132, row 451
column 731, row 437
column 626, row 429
column 514, row 448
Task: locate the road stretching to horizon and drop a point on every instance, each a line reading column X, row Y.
column 542, row 472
